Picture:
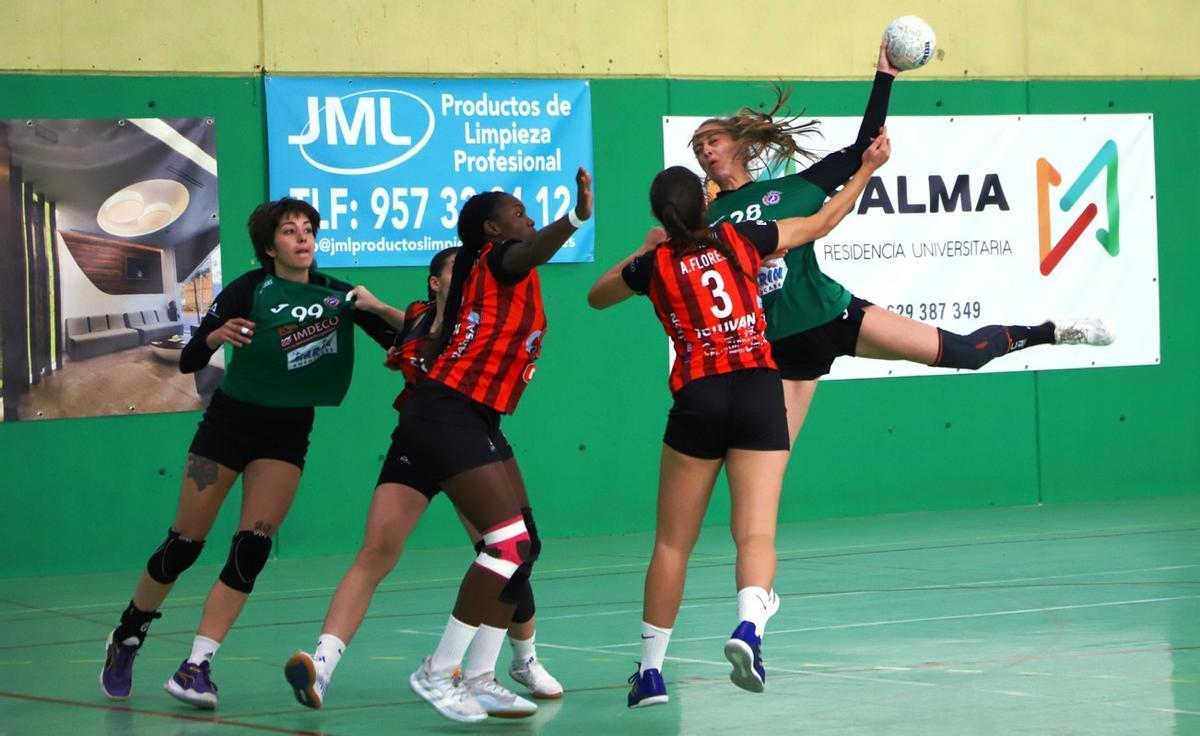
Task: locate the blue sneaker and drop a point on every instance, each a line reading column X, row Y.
column 648, row 689
column 744, row 652
column 193, row 685
column 116, row 678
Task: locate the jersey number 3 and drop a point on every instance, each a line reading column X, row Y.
column 724, row 305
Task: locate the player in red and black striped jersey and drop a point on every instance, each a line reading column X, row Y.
column 402, row 495
column 405, row 354
column 479, row 363
column 728, row 406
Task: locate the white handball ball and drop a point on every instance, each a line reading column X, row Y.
column 910, row 42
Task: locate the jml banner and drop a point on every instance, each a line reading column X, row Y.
column 389, row 162
column 998, row 220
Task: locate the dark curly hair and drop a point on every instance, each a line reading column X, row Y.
column 266, row 218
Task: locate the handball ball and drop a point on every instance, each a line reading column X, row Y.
column 910, row 42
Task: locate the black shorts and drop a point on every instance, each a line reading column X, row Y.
column 403, row 467
column 233, row 433
column 446, row 432
column 808, row 355
column 742, row 410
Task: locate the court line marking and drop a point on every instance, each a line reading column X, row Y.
column 951, row 617
column 783, row 556
column 910, row 683
column 723, row 601
column 213, row 720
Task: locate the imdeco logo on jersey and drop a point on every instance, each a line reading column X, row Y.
column 364, row 132
column 1048, row 176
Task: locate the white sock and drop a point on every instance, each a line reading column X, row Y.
column 654, row 647
column 485, row 648
column 756, row 606
column 329, row 652
column 450, row 650
column 523, row 649
column 203, row 650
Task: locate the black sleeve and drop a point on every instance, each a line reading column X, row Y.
column 372, row 324
column 832, row 171
column 496, row 263
column 764, row 236
column 637, row 273
column 235, row 300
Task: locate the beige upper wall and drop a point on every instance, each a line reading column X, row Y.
column 595, row 38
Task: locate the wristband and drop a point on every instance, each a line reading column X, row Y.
column 574, row 219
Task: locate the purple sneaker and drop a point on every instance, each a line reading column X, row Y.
column 193, row 684
column 744, row 652
column 116, row 678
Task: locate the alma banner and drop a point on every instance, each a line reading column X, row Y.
column 389, row 162
column 1011, row 219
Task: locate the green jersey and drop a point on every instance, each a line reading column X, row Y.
column 796, row 294
column 302, row 351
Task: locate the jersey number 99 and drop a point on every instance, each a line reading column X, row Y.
column 312, row 311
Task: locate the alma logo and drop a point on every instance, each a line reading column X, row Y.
column 364, row 132
column 1048, row 176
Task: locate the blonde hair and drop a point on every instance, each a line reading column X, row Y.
column 760, row 135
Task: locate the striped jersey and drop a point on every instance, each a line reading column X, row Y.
column 709, row 307
column 496, row 340
column 405, row 355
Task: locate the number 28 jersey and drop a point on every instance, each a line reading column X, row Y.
column 708, row 306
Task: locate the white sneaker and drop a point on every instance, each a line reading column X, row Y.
column 498, row 700
column 539, row 682
column 307, row 678
column 1083, row 331
column 447, row 693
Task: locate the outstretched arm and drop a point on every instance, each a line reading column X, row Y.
column 525, row 256
column 612, row 288
column 832, row 171
column 381, row 321
column 796, row 231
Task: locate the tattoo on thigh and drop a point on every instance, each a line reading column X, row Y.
column 202, row 471
column 262, row 528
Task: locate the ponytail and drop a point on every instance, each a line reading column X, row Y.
column 760, row 136
column 677, row 200
column 477, row 210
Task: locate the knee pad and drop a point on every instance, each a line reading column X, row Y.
column 247, row 557
column 522, row 592
column 505, row 547
column 972, row 351
column 173, row 557
column 535, row 542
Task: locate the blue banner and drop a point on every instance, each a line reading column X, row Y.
column 389, row 162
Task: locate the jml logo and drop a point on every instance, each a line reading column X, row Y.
column 1048, row 176
column 364, row 132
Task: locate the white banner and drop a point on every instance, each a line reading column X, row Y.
column 1010, row 219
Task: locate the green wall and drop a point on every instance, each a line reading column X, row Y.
column 93, row 494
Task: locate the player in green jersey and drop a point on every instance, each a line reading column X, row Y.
column 812, row 319
column 291, row 329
